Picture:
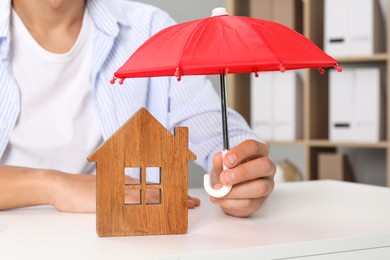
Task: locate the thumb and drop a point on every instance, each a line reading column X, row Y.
column 217, row 168
column 217, row 162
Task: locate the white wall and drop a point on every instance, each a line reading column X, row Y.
column 185, row 10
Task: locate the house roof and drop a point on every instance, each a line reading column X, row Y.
column 143, row 124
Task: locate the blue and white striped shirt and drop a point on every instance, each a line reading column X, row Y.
column 120, row 27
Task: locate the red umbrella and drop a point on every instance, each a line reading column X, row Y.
column 223, row 44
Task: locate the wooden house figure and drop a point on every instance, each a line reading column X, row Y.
column 144, row 146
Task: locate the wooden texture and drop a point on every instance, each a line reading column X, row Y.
column 387, row 108
column 238, row 86
column 334, row 166
column 143, row 142
column 238, row 89
column 317, row 97
column 286, row 12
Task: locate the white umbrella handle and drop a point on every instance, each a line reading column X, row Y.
column 219, row 193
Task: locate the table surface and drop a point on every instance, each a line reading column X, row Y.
column 299, row 219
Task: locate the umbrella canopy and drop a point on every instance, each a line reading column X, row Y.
column 223, row 44
column 232, row 44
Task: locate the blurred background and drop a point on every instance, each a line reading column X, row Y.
column 331, row 126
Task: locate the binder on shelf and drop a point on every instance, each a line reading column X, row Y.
column 369, row 114
column 353, row 27
column 276, row 106
column 341, row 100
column 356, row 105
column 261, row 105
column 288, row 109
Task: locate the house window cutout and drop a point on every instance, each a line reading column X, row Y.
column 133, row 180
column 133, row 197
column 153, row 175
column 142, row 186
column 135, row 176
column 153, row 197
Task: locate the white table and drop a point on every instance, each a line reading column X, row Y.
column 320, row 219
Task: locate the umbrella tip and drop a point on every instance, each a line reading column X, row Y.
column 338, row 68
column 321, row 71
column 178, row 74
column 219, row 11
column 282, row 68
column 112, row 81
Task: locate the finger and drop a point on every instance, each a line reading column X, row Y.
column 215, row 177
column 240, row 207
column 217, row 162
column 245, row 151
column 217, row 168
column 190, row 204
column 251, row 170
column 195, row 200
column 252, row 189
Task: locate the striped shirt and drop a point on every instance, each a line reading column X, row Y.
column 120, row 28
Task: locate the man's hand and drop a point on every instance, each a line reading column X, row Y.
column 251, row 172
column 73, row 192
column 77, row 193
column 24, row 187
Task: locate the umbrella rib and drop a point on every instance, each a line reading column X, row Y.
column 201, row 21
column 260, row 33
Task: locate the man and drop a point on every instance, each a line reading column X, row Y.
column 56, row 105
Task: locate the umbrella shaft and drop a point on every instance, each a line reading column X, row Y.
column 224, row 112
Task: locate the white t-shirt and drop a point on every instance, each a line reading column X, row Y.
column 57, row 126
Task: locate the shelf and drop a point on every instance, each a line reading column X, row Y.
column 297, row 142
column 378, row 57
column 327, row 143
